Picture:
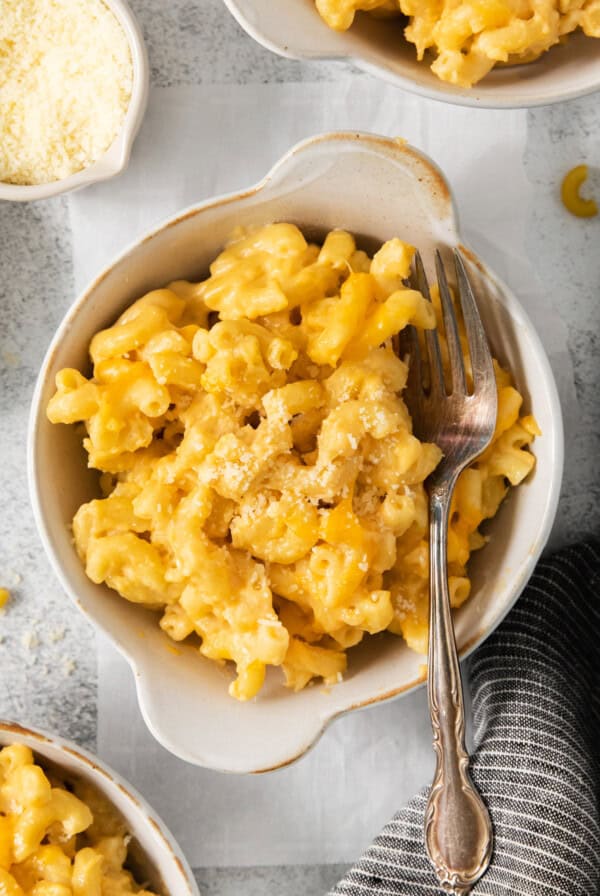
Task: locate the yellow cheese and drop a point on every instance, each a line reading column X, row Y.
column 65, row 83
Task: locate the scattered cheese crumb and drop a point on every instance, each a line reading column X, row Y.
column 29, row 640
column 56, row 635
column 10, row 578
column 4, row 597
column 68, row 666
column 11, row 359
column 66, row 76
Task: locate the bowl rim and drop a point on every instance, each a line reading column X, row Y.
column 451, row 94
column 350, row 139
column 116, row 157
column 96, row 768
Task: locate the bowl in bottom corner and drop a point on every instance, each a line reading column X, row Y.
column 161, row 859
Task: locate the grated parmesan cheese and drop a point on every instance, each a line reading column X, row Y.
column 68, row 666
column 29, row 640
column 65, row 84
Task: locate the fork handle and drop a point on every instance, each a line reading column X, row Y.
column 458, row 830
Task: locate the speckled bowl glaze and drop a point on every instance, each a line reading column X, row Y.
column 294, row 28
column 162, row 860
column 377, row 188
column 116, row 158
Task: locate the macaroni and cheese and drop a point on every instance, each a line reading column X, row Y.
column 263, row 488
column 469, row 37
column 58, row 839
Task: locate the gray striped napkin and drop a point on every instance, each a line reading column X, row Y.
column 536, row 703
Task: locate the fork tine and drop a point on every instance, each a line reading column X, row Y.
column 436, row 370
column 457, row 364
column 481, row 358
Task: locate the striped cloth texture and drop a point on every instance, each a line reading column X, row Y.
column 536, row 705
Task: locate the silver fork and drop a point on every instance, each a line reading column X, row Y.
column 458, row 830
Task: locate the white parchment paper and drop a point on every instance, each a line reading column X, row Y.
column 200, row 141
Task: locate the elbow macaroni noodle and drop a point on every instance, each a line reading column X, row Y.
column 469, row 37
column 56, row 840
column 263, row 489
column 572, row 198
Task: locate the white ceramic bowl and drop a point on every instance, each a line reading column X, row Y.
column 377, row 188
column 293, row 28
column 116, row 157
column 164, row 863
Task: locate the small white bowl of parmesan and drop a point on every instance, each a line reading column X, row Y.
column 74, row 92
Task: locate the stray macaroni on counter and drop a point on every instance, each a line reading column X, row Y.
column 469, row 37
column 263, row 489
column 58, row 839
column 572, row 198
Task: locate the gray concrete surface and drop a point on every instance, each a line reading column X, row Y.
column 47, row 651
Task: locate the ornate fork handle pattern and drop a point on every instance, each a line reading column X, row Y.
column 458, row 830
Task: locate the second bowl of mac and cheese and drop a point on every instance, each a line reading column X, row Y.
column 247, row 475
column 487, row 54
column 69, row 825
